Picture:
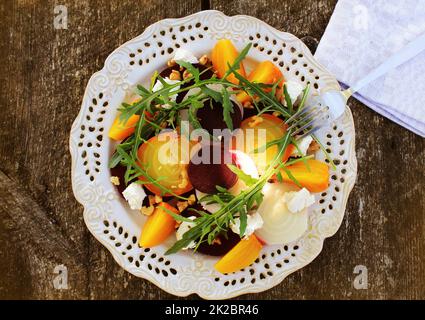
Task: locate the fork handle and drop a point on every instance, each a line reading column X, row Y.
column 400, row 57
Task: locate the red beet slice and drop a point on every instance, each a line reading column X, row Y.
column 211, row 116
column 223, row 244
column 119, row 171
column 206, row 171
column 249, row 112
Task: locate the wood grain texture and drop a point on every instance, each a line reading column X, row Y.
column 43, row 80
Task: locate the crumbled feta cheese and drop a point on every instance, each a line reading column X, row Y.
column 184, row 227
column 185, row 55
column 294, row 89
column 158, row 86
column 303, row 145
column 297, row 201
column 254, row 222
column 134, row 194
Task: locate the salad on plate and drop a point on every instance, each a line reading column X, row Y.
column 204, row 152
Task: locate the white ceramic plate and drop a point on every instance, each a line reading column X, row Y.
column 117, row 227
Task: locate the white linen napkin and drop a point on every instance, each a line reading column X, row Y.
column 362, row 34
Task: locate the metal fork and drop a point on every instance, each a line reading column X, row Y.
column 322, row 110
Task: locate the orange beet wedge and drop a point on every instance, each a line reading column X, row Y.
column 288, row 152
column 223, row 54
column 241, row 255
column 315, row 177
column 159, row 226
column 267, row 73
column 121, row 130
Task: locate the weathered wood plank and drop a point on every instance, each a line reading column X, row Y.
column 43, row 76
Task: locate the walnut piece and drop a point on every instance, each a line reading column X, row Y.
column 171, row 63
column 158, row 199
column 256, row 120
column 203, row 60
column 115, row 180
column 191, row 200
column 248, row 105
column 186, row 74
column 147, row 211
column 182, row 205
column 216, row 241
column 175, row 75
column 314, row 146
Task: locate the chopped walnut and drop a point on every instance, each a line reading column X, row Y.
column 191, row 200
column 255, row 122
column 314, row 146
column 248, row 105
column 182, row 205
column 147, row 211
column 177, row 224
column 186, row 74
column 216, row 241
column 203, row 60
column 115, row 180
column 183, row 184
column 171, row 63
column 184, row 180
column 158, row 199
column 151, row 200
column 175, row 75
column 276, row 114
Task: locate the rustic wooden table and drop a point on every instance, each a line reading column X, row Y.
column 43, row 75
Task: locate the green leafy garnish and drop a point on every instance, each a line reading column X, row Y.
column 227, row 109
column 208, row 225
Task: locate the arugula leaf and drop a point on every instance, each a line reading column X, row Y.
column 215, row 95
column 246, row 178
column 193, row 119
column 153, row 81
column 257, row 91
column 243, row 218
column 291, row 176
column 304, row 96
column 287, row 98
column 176, row 217
column 238, row 60
column 274, row 87
column 279, row 176
column 141, row 90
column 227, row 109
